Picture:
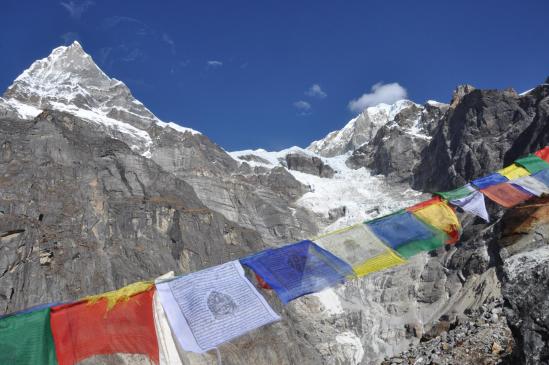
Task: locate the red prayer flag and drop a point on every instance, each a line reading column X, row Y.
column 543, row 153
column 506, row 194
column 81, row 330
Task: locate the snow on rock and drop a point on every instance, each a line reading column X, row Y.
column 365, row 196
column 359, row 130
column 352, row 347
column 24, row 111
column 68, row 80
column 329, row 300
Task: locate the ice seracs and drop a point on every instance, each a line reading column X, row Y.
column 364, row 196
column 68, row 80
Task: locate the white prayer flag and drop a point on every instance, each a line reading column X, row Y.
column 532, row 185
column 167, row 348
column 212, row 306
column 473, row 204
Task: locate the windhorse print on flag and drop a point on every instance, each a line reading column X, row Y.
column 407, row 234
column 210, row 307
column 114, row 323
column 26, row 339
column 360, row 248
column 298, row 269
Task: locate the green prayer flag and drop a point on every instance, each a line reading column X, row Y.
column 532, row 163
column 458, row 193
column 26, row 339
column 413, row 248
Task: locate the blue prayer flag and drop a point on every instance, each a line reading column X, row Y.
column 400, row 228
column 542, row 176
column 486, row 181
column 298, row 269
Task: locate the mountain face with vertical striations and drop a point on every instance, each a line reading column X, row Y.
column 96, row 192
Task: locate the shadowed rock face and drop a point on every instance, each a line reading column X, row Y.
column 308, row 165
column 81, row 213
column 397, row 146
column 486, row 130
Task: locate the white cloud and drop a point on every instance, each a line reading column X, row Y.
column 76, row 9
column 169, row 41
column 214, row 64
column 381, row 93
column 316, row 91
column 303, row 107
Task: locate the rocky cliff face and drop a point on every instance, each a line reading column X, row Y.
column 484, row 130
column 96, row 192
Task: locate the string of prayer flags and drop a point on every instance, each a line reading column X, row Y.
column 474, row 204
column 513, row 171
column 116, row 322
column 458, row 193
column 506, row 195
column 30, row 309
column 298, row 269
column 407, row 234
column 212, row 306
column 532, row 163
column 438, row 214
column 543, row 153
column 360, row 248
column 25, row 339
column 487, row 181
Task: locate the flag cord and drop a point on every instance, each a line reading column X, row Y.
column 218, row 356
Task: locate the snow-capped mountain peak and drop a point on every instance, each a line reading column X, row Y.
column 363, row 128
column 359, row 130
column 69, row 80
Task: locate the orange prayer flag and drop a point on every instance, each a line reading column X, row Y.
column 87, row 328
column 506, row 194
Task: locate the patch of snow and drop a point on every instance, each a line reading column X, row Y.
column 526, row 92
column 25, row 111
column 177, row 127
column 97, row 117
column 351, row 340
column 330, row 301
column 436, row 103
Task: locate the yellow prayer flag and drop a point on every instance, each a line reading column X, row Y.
column 513, row 171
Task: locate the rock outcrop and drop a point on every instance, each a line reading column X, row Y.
column 485, row 130
column 309, row 165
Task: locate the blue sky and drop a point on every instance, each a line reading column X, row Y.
column 274, row 74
